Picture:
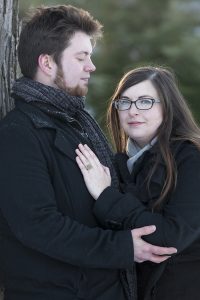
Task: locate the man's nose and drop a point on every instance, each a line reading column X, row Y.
column 90, row 67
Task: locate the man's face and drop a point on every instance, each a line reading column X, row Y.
column 73, row 73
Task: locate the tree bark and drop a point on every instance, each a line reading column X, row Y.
column 9, row 33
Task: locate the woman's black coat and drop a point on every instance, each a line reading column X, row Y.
column 177, row 222
column 50, row 244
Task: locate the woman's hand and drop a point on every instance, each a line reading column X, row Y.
column 96, row 176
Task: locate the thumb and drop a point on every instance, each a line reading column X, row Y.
column 138, row 232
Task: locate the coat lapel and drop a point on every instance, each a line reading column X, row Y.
column 64, row 145
column 41, row 120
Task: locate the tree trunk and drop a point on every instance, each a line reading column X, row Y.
column 9, row 32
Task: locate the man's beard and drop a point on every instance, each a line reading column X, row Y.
column 75, row 91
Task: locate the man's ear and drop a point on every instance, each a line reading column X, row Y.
column 46, row 64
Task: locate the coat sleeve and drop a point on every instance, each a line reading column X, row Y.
column 28, row 204
column 178, row 225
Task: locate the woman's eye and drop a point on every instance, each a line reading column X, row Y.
column 145, row 101
column 124, row 101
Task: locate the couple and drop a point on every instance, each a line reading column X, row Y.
column 67, row 234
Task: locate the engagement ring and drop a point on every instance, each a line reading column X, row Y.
column 88, row 167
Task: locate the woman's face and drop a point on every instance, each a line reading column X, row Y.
column 141, row 125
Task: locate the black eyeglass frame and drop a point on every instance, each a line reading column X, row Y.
column 115, row 103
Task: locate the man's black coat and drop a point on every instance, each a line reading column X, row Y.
column 50, row 244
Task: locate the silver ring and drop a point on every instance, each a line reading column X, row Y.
column 88, row 166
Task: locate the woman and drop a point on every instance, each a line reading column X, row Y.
column 158, row 161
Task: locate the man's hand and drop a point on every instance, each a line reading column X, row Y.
column 144, row 251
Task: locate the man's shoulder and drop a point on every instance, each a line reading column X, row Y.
column 17, row 123
column 15, row 127
column 27, row 116
column 18, row 129
column 14, row 118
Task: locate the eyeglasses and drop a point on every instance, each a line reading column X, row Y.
column 141, row 103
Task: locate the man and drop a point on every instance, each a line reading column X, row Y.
column 51, row 246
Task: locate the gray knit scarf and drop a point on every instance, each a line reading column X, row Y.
column 66, row 107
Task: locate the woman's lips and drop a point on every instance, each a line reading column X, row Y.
column 135, row 123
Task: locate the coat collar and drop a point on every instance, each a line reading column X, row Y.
column 143, row 164
column 121, row 161
column 40, row 120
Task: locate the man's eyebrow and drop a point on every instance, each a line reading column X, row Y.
column 84, row 52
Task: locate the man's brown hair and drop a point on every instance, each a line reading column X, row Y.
column 49, row 31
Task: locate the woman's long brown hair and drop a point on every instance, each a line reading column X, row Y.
column 178, row 122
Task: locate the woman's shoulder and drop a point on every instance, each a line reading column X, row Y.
column 185, row 150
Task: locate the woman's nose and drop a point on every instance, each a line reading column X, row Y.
column 133, row 110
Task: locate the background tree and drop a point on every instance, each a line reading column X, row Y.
column 140, row 32
column 8, row 62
